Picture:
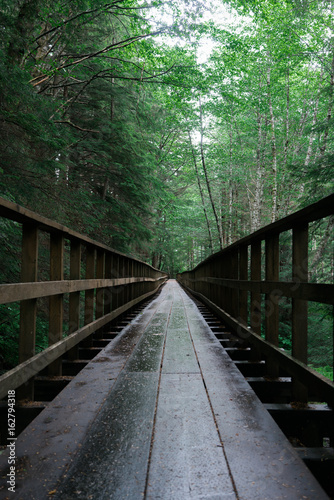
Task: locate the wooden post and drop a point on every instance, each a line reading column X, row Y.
column 56, row 301
column 100, row 272
column 255, row 316
column 108, row 291
column 243, row 275
column 28, row 308
column 299, row 307
column 131, row 273
column 234, row 272
column 255, row 308
column 74, row 299
column 89, row 294
column 271, row 303
column 115, row 273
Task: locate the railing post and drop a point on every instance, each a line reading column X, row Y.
column 100, row 273
column 89, row 294
column 74, row 299
column 28, row 308
column 243, row 275
column 299, row 307
column 108, row 291
column 255, row 314
column 234, row 292
column 271, row 311
column 56, row 301
column 255, row 308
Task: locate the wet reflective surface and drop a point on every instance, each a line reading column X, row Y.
column 173, row 419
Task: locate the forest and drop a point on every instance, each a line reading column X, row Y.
column 168, row 130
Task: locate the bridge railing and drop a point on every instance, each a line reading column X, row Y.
column 101, row 284
column 241, row 285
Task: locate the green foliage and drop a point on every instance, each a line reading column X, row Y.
column 96, row 103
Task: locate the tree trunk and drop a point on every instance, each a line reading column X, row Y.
column 314, row 121
column 23, row 27
column 201, row 193
column 286, row 145
column 230, row 191
column 329, row 112
column 207, row 179
column 274, row 152
column 258, row 191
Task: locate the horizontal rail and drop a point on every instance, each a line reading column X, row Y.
column 23, row 291
column 315, row 292
column 319, row 384
column 311, row 213
column 241, row 283
column 17, row 213
column 28, row 369
column 111, row 283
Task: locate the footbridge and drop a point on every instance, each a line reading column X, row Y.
column 156, row 388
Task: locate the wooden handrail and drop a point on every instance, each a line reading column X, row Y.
column 226, row 281
column 113, row 283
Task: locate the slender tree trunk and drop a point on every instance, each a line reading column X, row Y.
column 230, row 189
column 207, row 179
column 314, row 121
column 258, row 191
column 324, row 243
column 201, row 193
column 286, row 145
column 274, row 151
column 24, row 26
column 329, row 112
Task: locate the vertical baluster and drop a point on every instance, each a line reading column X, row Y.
column 108, row 291
column 243, row 275
column 271, row 311
column 74, row 300
column 255, row 308
column 299, row 307
column 131, row 274
column 255, row 316
column 89, row 294
column 28, row 308
column 234, row 292
column 100, row 273
column 56, row 301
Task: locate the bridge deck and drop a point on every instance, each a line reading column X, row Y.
column 160, row 413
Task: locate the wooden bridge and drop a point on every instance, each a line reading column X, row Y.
column 164, row 389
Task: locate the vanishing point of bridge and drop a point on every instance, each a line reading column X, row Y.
column 155, row 393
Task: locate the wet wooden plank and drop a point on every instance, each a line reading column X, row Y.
column 48, row 446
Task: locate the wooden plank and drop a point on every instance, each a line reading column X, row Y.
column 22, row 291
column 56, row 311
column 299, row 307
column 22, row 373
column 28, row 308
